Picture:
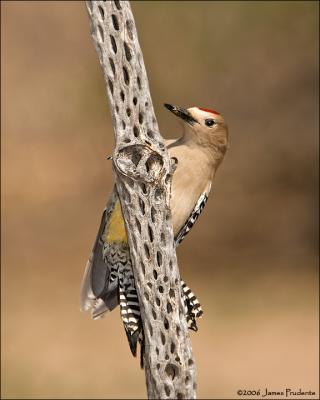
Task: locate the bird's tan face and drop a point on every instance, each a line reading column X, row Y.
column 207, row 127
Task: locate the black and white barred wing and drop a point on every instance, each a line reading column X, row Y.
column 192, row 218
column 192, row 305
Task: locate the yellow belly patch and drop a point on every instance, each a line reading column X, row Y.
column 115, row 230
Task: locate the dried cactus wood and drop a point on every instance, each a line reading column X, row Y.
column 143, row 171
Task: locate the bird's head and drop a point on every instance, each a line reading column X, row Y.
column 204, row 126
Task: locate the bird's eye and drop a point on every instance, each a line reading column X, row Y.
column 209, row 122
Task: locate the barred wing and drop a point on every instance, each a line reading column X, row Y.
column 192, row 218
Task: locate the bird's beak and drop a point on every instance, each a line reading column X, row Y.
column 181, row 113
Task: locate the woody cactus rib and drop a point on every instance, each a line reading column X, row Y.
column 143, row 172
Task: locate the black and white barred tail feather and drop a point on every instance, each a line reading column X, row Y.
column 130, row 315
column 117, row 255
column 193, row 308
column 109, row 281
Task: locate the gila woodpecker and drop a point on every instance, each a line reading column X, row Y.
column 108, row 279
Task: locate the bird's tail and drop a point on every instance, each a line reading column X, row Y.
column 130, row 314
column 131, row 317
column 193, row 308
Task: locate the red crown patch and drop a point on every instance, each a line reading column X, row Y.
column 209, row 111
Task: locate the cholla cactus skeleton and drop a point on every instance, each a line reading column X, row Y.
column 143, row 173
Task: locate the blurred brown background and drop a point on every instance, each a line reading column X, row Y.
column 252, row 258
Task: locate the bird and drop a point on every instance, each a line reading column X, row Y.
column 108, row 278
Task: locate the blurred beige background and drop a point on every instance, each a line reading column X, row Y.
column 252, row 258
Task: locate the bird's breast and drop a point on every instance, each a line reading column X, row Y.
column 191, row 179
